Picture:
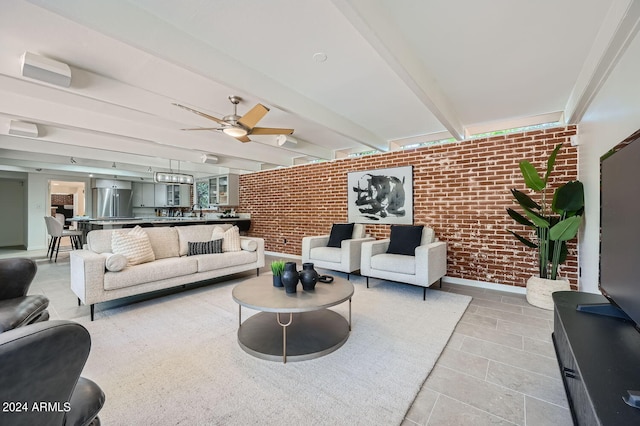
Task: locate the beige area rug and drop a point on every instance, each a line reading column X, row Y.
column 175, row 360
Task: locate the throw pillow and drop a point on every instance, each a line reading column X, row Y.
column 248, row 245
column 134, row 245
column 205, row 247
column 231, row 241
column 116, row 262
column 404, row 239
column 339, row 232
column 230, row 238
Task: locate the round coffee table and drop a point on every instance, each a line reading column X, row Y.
column 292, row 327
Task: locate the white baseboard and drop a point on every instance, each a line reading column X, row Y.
column 445, row 279
column 282, row 255
column 482, row 284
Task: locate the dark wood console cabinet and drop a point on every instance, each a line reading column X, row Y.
column 599, row 359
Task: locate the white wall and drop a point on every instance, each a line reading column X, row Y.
column 13, row 195
column 613, row 115
column 38, row 201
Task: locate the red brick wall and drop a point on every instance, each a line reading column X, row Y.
column 461, row 190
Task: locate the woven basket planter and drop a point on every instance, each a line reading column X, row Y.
column 539, row 291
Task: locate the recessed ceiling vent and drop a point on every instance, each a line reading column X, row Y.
column 20, row 128
column 45, row 69
column 209, row 159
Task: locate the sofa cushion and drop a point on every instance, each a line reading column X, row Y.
column 164, row 241
column 134, row 245
column 327, row 254
column 99, row 241
column 205, row 247
column 193, row 233
column 339, row 232
column 428, row 236
column 249, row 245
column 148, row 272
column 210, row 262
column 115, row 262
column 404, row 239
column 358, row 231
column 398, row 263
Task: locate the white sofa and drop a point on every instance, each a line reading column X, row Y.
column 93, row 283
column 428, row 265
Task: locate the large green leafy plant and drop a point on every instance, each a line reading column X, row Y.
column 554, row 223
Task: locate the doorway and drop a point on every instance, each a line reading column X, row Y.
column 67, row 198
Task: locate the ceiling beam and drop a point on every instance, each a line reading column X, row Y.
column 154, row 36
column 620, row 26
column 369, row 18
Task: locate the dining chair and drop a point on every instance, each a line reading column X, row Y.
column 57, row 232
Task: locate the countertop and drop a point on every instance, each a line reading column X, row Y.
column 157, row 220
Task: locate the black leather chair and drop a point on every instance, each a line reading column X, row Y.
column 16, row 308
column 40, row 382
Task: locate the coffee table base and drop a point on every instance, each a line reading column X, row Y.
column 310, row 335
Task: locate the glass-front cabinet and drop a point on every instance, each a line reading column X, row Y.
column 223, row 190
column 218, row 191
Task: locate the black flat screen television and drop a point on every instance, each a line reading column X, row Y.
column 620, row 226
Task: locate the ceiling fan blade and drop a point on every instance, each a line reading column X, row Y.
column 201, row 114
column 270, row 131
column 254, row 115
column 243, row 138
column 204, row 128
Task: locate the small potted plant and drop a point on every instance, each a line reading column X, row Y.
column 277, row 267
column 556, row 219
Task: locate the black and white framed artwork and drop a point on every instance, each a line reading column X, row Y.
column 381, row 196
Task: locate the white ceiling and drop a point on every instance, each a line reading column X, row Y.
column 397, row 72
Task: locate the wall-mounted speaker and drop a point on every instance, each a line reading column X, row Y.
column 286, row 141
column 45, row 69
column 20, row 128
column 209, row 159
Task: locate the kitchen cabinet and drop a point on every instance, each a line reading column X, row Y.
column 144, row 194
column 160, row 195
column 224, row 190
column 111, row 183
column 172, row 195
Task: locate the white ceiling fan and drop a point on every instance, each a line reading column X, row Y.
column 240, row 127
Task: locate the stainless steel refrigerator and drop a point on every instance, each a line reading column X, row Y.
column 112, row 203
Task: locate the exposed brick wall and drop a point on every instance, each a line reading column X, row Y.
column 61, row 199
column 460, row 189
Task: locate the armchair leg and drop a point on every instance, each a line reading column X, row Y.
column 367, row 282
column 348, row 277
column 93, row 305
column 440, row 282
column 424, row 293
column 79, row 303
column 257, row 272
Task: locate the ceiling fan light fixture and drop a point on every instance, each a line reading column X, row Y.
column 236, row 132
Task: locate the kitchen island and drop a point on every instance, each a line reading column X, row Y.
column 87, row 224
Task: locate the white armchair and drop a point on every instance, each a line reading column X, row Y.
column 428, row 265
column 345, row 258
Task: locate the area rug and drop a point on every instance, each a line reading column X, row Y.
column 175, row 360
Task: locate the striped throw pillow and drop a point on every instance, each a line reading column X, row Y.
column 204, row 247
column 134, row 245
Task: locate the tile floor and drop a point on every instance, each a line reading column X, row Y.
column 499, row 367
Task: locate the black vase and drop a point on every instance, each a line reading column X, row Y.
column 290, row 277
column 308, row 276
